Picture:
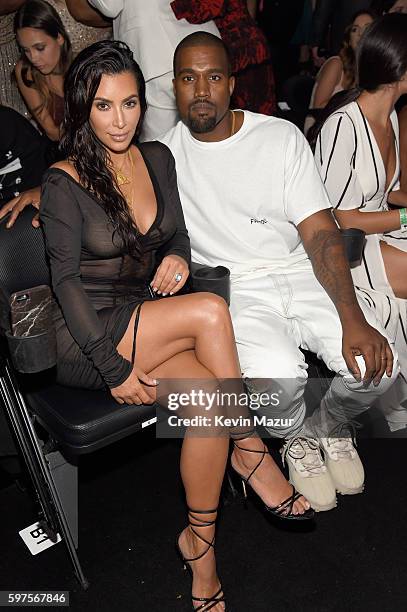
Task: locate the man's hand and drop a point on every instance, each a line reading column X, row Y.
column 16, row 205
column 325, row 247
column 165, row 280
column 362, row 339
column 133, row 392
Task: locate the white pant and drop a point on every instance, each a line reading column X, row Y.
column 274, row 315
column 162, row 112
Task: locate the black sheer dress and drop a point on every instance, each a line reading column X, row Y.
column 97, row 284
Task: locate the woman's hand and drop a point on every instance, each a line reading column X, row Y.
column 165, row 280
column 133, row 392
column 16, row 205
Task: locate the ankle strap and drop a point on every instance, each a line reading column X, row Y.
column 263, row 453
column 202, row 511
column 250, row 450
column 199, row 523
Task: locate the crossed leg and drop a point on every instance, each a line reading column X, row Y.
column 192, row 337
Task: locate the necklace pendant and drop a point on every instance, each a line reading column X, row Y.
column 122, row 179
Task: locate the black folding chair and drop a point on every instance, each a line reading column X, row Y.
column 77, row 421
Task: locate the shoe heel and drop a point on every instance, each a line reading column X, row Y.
column 244, row 489
column 237, row 485
column 197, row 522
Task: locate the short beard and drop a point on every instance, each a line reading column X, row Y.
column 201, row 126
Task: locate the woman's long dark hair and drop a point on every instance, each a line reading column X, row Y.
column 381, row 59
column 79, row 143
column 40, row 15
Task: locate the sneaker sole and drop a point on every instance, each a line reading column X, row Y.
column 315, row 506
column 345, row 491
column 319, row 508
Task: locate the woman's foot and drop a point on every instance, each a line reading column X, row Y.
column 205, row 582
column 267, row 481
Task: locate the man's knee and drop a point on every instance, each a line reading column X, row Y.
column 385, row 383
column 276, row 396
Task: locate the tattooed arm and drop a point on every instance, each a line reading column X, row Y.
column 325, row 247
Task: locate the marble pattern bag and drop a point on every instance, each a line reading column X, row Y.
column 31, row 311
column 32, row 340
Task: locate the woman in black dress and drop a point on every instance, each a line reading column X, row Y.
column 113, row 221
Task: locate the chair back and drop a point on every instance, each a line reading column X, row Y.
column 23, row 261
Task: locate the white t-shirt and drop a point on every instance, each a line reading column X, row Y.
column 243, row 197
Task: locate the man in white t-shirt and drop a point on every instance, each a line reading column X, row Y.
column 253, row 201
column 152, row 32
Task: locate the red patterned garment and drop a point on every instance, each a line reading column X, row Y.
column 247, row 47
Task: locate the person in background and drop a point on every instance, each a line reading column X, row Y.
column 329, row 22
column 71, row 12
column 46, row 55
column 339, row 71
column 152, row 32
column 9, row 55
column 22, row 156
column 97, row 28
column 82, row 23
column 247, row 47
column 357, row 154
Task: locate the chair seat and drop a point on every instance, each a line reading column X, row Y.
column 84, row 420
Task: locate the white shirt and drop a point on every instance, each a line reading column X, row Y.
column 151, row 30
column 244, row 196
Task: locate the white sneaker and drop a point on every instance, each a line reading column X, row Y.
column 344, row 465
column 308, row 473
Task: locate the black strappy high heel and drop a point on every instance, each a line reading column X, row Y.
column 207, row 603
column 284, row 510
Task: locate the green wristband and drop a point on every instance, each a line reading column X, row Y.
column 403, row 219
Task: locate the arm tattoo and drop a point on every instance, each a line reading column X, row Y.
column 326, row 251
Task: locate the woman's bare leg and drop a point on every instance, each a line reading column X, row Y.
column 203, row 462
column 202, row 322
column 395, row 263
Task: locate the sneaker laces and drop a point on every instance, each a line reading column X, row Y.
column 305, row 451
column 339, row 445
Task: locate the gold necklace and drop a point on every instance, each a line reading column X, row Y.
column 232, row 129
column 121, row 178
column 132, row 185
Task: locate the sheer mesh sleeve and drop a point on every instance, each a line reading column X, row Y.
column 62, row 222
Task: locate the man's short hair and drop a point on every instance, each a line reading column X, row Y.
column 202, row 39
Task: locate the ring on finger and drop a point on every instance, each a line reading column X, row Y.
column 178, row 277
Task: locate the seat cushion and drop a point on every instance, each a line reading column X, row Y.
column 82, row 420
